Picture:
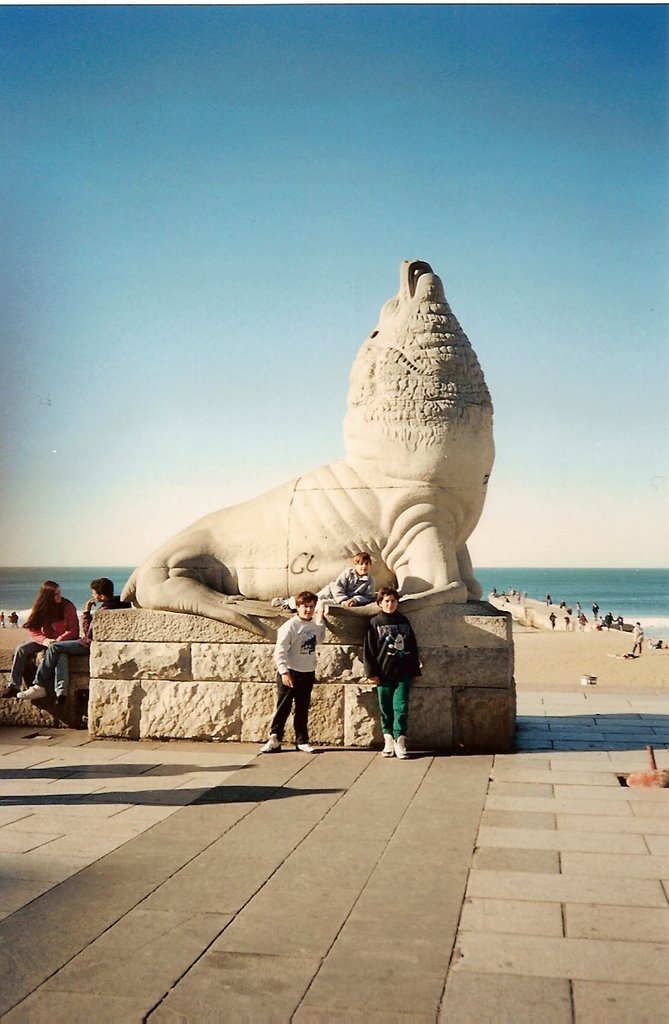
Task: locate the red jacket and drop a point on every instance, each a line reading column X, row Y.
column 66, row 628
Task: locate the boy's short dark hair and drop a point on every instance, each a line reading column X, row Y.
column 387, row 592
column 103, row 586
column 362, row 558
column 306, row 597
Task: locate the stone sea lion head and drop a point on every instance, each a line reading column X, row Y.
column 418, row 405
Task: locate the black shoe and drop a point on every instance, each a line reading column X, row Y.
column 9, row 693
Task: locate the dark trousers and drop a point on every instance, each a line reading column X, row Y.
column 300, row 693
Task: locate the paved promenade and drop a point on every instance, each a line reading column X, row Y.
column 195, row 882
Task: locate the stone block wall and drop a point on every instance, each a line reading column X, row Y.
column 45, row 714
column 163, row 675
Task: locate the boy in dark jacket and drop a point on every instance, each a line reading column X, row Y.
column 391, row 660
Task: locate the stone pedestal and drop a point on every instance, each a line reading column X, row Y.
column 45, row 713
column 162, row 675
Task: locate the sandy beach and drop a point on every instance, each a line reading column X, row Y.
column 554, row 661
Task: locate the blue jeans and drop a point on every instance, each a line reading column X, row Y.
column 22, row 655
column 54, row 673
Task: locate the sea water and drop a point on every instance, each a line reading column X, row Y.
column 641, row 594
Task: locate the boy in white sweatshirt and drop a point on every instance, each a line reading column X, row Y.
column 295, row 659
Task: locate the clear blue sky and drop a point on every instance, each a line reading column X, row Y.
column 204, row 208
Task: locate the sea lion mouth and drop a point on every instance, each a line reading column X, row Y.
column 415, row 270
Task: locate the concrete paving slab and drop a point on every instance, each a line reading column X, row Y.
column 626, row 892
column 217, row 836
column 576, row 959
column 537, row 861
column 517, row 819
column 77, row 1008
column 636, row 924
column 651, row 825
column 238, row 987
column 472, row 998
column 620, row 865
column 558, row 839
column 614, row 1003
column 151, row 951
column 511, row 917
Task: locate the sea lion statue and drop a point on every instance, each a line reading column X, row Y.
column 410, row 490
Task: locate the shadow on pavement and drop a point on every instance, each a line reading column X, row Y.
column 163, row 798
column 113, row 771
column 627, row 731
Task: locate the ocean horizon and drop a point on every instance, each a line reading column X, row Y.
column 636, row 594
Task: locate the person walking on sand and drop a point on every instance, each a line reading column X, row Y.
column 391, row 661
column 638, row 638
column 14, row 620
column 2, row 619
column 553, row 619
column 595, row 610
column 295, row 659
column 51, row 618
column 53, row 673
column 548, row 600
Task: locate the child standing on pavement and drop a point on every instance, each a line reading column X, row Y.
column 295, row 659
column 391, row 660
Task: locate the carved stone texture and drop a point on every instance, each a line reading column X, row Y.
column 136, row 660
column 113, row 708
column 362, row 725
column 485, row 720
column 410, row 490
column 205, row 711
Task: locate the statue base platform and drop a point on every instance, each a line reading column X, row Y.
column 162, row 675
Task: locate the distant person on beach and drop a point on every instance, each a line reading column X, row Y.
column 608, row 620
column 295, row 660
column 620, row 622
column 595, row 610
column 567, row 623
column 353, row 587
column 578, row 608
column 563, row 604
column 53, row 673
column 391, row 660
column 553, row 619
column 548, row 599
column 14, row 620
column 582, row 621
column 2, row 619
column 51, row 618
column 638, row 638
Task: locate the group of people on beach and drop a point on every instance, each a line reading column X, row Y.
column 605, row 622
column 12, row 619
column 390, row 651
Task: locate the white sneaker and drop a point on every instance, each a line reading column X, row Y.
column 388, row 745
column 401, row 748
column 306, row 748
column 273, row 745
column 32, row 693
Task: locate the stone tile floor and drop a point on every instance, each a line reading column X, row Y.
column 194, row 882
